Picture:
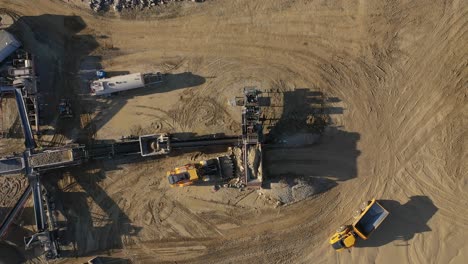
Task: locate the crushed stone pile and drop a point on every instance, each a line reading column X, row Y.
column 288, row 191
column 119, row 5
column 50, row 157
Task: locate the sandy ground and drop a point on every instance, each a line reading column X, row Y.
column 390, row 76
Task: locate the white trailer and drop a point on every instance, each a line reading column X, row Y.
column 123, row 83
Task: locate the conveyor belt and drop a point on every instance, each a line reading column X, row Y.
column 99, row 151
column 39, row 213
column 245, row 153
column 126, row 148
column 28, row 135
column 12, row 214
column 196, row 143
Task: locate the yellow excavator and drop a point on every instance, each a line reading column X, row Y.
column 368, row 218
column 213, row 170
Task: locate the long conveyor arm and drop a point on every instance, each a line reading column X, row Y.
column 28, row 135
column 39, row 213
column 194, row 143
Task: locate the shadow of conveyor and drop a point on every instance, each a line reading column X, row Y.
column 302, row 142
column 10, row 254
column 403, row 222
column 89, row 231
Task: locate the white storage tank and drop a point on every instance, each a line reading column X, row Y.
column 117, row 84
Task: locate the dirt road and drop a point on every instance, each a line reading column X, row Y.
column 394, row 75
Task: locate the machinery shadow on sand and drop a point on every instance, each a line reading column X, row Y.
column 10, row 254
column 403, row 222
column 16, row 232
column 303, row 143
column 58, row 45
column 89, row 231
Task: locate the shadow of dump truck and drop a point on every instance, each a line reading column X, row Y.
column 404, row 221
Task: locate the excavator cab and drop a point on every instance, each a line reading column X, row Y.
column 179, row 179
column 343, row 238
column 183, row 176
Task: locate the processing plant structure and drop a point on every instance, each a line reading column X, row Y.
column 35, row 162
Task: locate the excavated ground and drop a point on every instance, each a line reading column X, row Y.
column 388, row 77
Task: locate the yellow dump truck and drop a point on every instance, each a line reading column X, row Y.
column 368, row 218
column 212, row 170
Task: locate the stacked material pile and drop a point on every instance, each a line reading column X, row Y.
column 289, row 190
column 52, row 157
column 118, row 5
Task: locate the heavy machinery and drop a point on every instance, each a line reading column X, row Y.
column 368, row 218
column 213, row 170
column 65, row 110
column 116, row 84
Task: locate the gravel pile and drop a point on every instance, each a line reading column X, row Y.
column 118, row 5
column 45, row 158
column 287, row 191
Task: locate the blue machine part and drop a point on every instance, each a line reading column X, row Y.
column 101, row 74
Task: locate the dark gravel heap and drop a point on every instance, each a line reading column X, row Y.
column 119, row 5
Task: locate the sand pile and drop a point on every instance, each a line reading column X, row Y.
column 254, row 162
column 237, row 153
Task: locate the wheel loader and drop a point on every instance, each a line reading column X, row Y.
column 212, row 170
column 367, row 219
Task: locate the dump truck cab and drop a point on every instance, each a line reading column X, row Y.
column 368, row 219
column 343, row 238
